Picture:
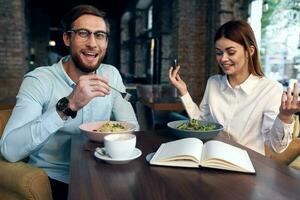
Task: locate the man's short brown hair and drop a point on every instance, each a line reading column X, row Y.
column 80, row 10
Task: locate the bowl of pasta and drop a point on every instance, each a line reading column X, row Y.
column 96, row 131
column 203, row 130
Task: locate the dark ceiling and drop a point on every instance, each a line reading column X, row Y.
column 57, row 8
column 54, row 10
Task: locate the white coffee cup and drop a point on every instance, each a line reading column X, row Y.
column 120, row 146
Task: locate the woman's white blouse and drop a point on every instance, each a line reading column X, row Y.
column 248, row 112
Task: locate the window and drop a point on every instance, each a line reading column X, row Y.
column 279, row 39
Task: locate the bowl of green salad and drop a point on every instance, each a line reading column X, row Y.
column 203, row 130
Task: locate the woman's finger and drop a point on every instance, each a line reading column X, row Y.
column 171, row 72
column 289, row 95
column 176, row 70
column 295, row 95
column 289, row 99
column 178, row 77
column 283, row 100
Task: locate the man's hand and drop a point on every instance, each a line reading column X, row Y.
column 88, row 87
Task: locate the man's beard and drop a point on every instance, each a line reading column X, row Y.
column 84, row 68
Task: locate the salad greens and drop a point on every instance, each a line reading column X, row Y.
column 196, row 125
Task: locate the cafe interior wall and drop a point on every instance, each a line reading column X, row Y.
column 184, row 31
column 13, row 46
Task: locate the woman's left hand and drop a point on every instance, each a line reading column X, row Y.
column 289, row 104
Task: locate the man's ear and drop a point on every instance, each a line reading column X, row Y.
column 66, row 39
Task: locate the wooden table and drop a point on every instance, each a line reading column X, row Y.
column 93, row 179
column 166, row 104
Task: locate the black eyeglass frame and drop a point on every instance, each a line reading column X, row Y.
column 104, row 35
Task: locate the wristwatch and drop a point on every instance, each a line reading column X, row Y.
column 63, row 106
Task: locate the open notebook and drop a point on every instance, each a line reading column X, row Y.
column 191, row 152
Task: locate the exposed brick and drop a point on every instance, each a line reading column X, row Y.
column 12, row 46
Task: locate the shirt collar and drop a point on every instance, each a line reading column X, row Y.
column 65, row 76
column 247, row 86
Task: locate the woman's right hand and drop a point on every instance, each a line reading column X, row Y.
column 289, row 104
column 177, row 81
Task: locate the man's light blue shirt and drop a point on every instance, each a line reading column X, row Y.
column 36, row 130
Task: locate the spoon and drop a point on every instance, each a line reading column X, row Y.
column 99, row 150
column 102, row 152
column 125, row 95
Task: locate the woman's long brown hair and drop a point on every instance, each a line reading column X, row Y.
column 241, row 32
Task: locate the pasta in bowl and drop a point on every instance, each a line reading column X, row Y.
column 96, row 131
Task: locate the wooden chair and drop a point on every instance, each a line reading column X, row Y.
column 144, row 114
column 155, row 119
column 291, row 156
column 20, row 180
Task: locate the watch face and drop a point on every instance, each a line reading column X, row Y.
column 62, row 104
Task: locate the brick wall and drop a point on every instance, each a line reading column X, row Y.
column 233, row 9
column 192, row 44
column 13, row 46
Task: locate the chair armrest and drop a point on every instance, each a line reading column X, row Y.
column 287, row 156
column 24, row 181
column 296, row 163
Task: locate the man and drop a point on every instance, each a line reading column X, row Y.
column 54, row 101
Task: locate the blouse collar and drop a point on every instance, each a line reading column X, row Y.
column 247, row 86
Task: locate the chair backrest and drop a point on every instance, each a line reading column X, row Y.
column 144, row 116
column 168, row 90
column 296, row 127
column 144, row 91
column 162, row 90
column 4, row 116
column 148, row 118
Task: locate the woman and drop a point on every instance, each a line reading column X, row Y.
column 254, row 110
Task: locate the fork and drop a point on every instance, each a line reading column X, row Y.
column 125, row 95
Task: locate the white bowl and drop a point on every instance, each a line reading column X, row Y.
column 90, row 129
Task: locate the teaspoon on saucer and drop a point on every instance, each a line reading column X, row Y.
column 102, row 152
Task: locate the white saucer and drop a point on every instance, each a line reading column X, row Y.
column 100, row 153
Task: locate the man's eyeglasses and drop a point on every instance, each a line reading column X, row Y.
column 85, row 34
